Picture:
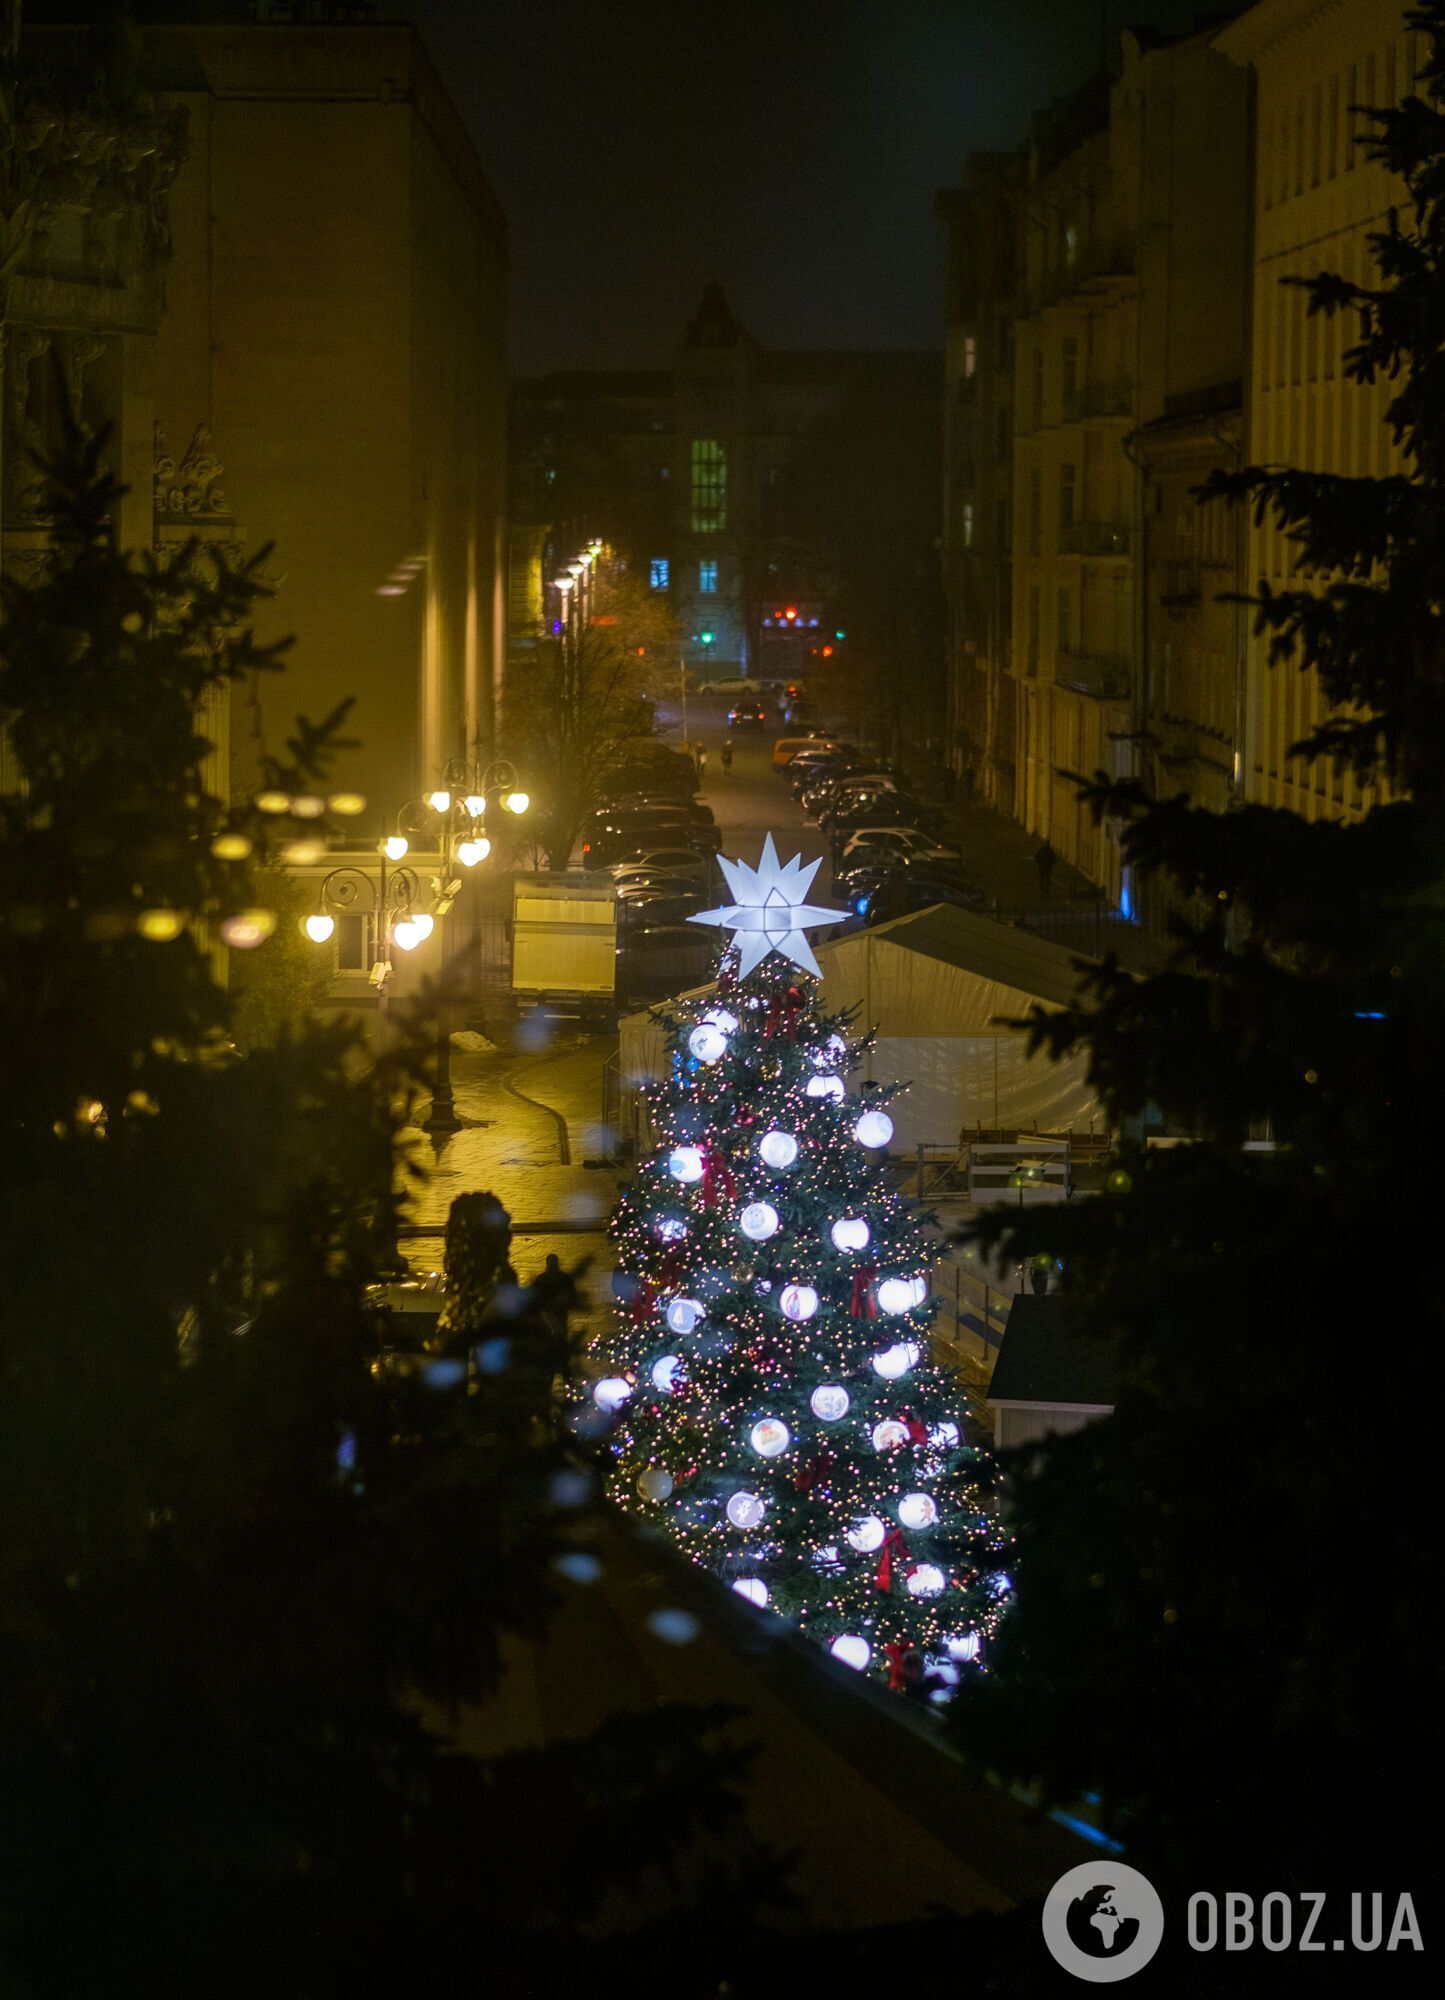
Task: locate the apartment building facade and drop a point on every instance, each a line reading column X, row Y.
column 1316, row 199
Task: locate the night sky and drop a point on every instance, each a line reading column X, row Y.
column 789, row 149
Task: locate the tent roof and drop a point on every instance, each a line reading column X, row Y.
column 990, row 950
column 1040, row 1362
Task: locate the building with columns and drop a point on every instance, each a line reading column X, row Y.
column 1316, row 199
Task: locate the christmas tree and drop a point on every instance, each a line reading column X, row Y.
column 771, row 1398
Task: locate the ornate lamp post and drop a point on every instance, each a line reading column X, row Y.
column 456, row 813
column 388, row 898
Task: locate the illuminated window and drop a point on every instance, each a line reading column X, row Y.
column 707, row 576
column 970, row 354
column 1071, row 245
column 658, row 572
column 968, row 524
column 709, row 486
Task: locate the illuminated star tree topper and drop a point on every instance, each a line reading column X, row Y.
column 769, row 911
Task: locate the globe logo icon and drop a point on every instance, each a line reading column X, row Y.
column 1103, row 1921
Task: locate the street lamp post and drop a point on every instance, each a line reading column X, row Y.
column 389, row 900
column 458, row 811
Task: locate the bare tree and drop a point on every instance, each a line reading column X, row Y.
column 574, row 712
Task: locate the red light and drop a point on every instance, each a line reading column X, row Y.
column 792, row 611
column 827, row 652
column 777, row 614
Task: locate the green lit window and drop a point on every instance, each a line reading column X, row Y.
column 709, row 486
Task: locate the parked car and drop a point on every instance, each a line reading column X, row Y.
column 615, row 839
column 659, row 960
column 748, row 715
column 898, row 840
column 655, row 903
column 673, row 861
column 919, row 885
column 788, row 747
column 695, row 810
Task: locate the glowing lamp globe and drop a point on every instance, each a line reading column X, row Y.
column 829, row 1402
column 866, row 1534
column 517, row 802
column 888, row 1435
column 685, row 1164
column 944, row 1436
column 778, row 1150
column 745, row 1510
column 425, row 923
column 394, row 846
column 769, row 1437
column 898, row 1295
column 407, row 934
column 850, row 1232
column 655, row 1483
column 470, row 852
column 319, row 927
column 664, row 1373
column 826, row 1086
column 759, row 1221
column 927, row 1580
column 895, row 1361
column 916, row 1510
column 683, row 1314
column 249, row 928
column 852, row 1651
column 611, row 1392
column 160, row 926
column 708, row 1044
column 440, row 802
column 753, row 1589
column 799, row 1301
column 874, row 1128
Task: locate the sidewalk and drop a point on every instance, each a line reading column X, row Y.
column 999, row 856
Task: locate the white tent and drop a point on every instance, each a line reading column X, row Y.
column 938, row 989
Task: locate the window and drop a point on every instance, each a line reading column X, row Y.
column 355, row 941
column 967, row 524
column 707, row 576
column 1067, row 483
column 1071, row 245
column 970, row 355
column 1063, row 621
column 1036, row 511
column 709, row 486
column 658, row 572
column 1070, row 366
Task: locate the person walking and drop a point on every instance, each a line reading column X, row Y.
column 727, row 757
column 1044, row 861
column 701, row 762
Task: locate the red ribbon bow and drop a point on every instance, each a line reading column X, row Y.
column 863, row 1305
column 717, row 1175
column 917, row 1430
column 893, row 1544
column 815, row 1471
column 895, row 1653
column 783, row 1012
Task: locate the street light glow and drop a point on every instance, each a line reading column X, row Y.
column 517, row 802
column 470, row 852
column 395, row 846
column 475, row 804
column 406, row 935
column 423, row 924
column 440, row 801
column 319, row 927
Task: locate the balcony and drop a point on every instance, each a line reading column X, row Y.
column 1099, row 399
column 1093, row 674
column 1094, row 538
